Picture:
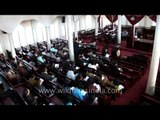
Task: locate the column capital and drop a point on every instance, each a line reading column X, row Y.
column 96, row 16
column 75, row 18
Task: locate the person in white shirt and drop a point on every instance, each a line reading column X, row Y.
column 71, row 74
column 107, row 56
column 93, row 66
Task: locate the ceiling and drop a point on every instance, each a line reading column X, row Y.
column 9, row 22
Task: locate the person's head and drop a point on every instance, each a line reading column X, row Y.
column 80, row 77
column 33, row 76
column 97, row 65
column 44, row 69
column 20, row 64
column 6, row 70
column 80, row 56
column 26, row 91
column 89, row 70
column 40, row 81
column 13, row 60
column 103, row 76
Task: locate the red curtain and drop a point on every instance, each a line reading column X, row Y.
column 153, row 17
column 133, row 19
column 112, row 18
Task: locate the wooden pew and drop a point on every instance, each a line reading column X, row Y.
column 10, row 96
column 151, row 100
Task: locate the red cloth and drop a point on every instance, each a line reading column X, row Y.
column 112, row 18
column 153, row 17
column 133, row 19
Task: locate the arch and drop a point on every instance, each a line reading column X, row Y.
column 9, row 22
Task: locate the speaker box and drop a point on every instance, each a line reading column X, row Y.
column 63, row 19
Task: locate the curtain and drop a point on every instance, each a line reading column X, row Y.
column 105, row 21
column 153, row 17
column 133, row 19
column 112, row 18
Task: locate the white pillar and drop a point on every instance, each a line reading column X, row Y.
column 75, row 18
column 70, row 36
column 12, row 46
column 112, row 25
column 154, row 61
column 119, row 29
column 35, row 36
column 61, row 28
column 82, row 23
column 134, row 31
column 75, row 29
column 66, row 31
column 96, row 26
column 48, row 36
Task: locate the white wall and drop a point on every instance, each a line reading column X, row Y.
column 4, row 43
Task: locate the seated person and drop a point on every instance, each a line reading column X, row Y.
column 39, row 84
column 78, row 93
column 23, row 72
column 85, row 57
column 13, row 63
column 105, row 80
column 32, row 63
column 62, row 54
column 32, row 80
column 124, row 34
column 69, row 103
column 71, row 74
column 65, row 48
column 89, row 73
column 80, row 61
column 40, row 59
column 30, row 99
column 107, row 55
column 92, row 45
column 68, row 100
column 46, row 76
column 54, row 67
column 30, row 54
column 66, row 63
column 91, row 98
column 139, row 32
column 11, row 76
column 98, row 88
column 53, row 55
column 93, row 66
column 53, row 50
column 116, row 85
